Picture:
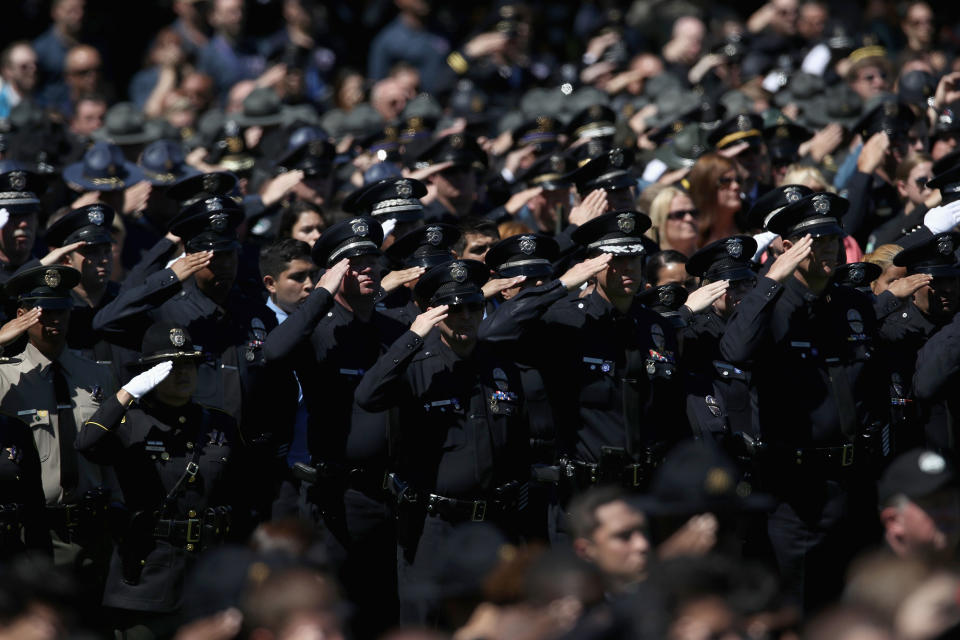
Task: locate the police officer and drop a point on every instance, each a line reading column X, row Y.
column 331, row 340
column 20, row 192
column 454, row 161
column 460, row 440
column 391, row 199
column 810, row 349
column 54, row 391
column 610, row 172
column 177, row 463
column 420, row 249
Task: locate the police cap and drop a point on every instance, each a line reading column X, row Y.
column 388, row 199
column 20, row 190
column 774, row 200
column 609, row 171
column 726, row 259
column 617, row 232
column 890, row 116
column 935, row 256
column 745, row 127
column 541, row 131
column 192, row 189
column 856, row 274
column 426, row 246
column 666, row 300
column 458, row 149
column 314, row 158
column 167, row 341
column 91, row 224
column 595, row 121
column 44, row 287
column 523, row 255
column 915, row 474
column 817, row 214
column 349, row 238
column 548, row 172
column 946, row 177
column 209, row 225
column 455, row 283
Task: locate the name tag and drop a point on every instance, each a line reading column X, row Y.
column 800, row 345
column 352, row 372
column 27, row 412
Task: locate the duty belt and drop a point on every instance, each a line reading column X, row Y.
column 80, row 520
column 195, row 533
column 841, row 456
column 368, row 481
column 509, row 498
column 11, row 520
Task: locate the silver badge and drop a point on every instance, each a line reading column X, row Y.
column 626, row 223
column 945, row 245
column 855, row 320
column 434, row 236
column 734, row 247
column 792, row 194
column 218, row 221
column 177, row 337
column 213, row 204
column 404, row 189
column 528, row 244
column 18, row 180
column 556, row 164
column 458, row 271
column 743, row 123
column 95, row 216
column 52, row 278
column 821, row 204
column 616, row 158
column 211, row 183
column 360, row 228
column 857, row 274
column 666, row 297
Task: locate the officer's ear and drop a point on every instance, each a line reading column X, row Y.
column 894, row 530
column 583, row 548
column 270, row 284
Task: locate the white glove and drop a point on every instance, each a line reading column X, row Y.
column 943, row 218
column 763, row 241
column 144, row 382
column 4, row 217
column 388, row 226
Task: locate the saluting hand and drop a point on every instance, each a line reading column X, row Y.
column 396, row 279
column 54, row 256
column 592, row 206
column 788, row 261
column 583, row 271
column 706, row 295
column 905, row 287
column 191, row 263
column 15, row 328
column 143, row 383
column 333, row 277
column 428, row 320
column 498, row 285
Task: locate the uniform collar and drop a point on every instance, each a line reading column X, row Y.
column 277, row 311
column 33, row 355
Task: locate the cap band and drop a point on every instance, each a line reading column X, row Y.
column 18, row 197
column 737, row 135
column 770, row 215
column 350, row 245
column 523, row 263
column 595, row 130
column 813, row 222
column 397, row 204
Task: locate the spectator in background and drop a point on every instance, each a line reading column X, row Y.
column 407, row 39
column 165, row 65
column 228, row 57
column 301, row 221
column 189, row 26
column 64, row 34
column 18, row 68
column 81, row 73
column 715, row 190
column 88, row 116
column 675, row 221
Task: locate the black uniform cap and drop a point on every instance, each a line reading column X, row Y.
column 20, row 189
column 209, row 225
column 200, row 187
column 542, row 130
column 617, row 232
column 461, row 150
column 314, row 158
column 946, row 177
column 167, row 341
column 784, row 140
column 90, row 224
column 548, row 172
column 388, row 199
column 891, row 116
column 523, row 255
column 746, row 127
column 609, row 171
column 682, row 151
column 774, row 200
column 44, row 287
column 935, row 256
column 726, row 259
column 347, row 239
column 426, row 246
column 458, row 282
column 595, row 121
column 856, row 274
column 666, row 300
column 916, row 474
column 817, row 214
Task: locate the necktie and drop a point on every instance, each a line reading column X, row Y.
column 66, row 431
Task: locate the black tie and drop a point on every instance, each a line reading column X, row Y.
column 66, row 432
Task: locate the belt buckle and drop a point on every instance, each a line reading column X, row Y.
column 479, row 511
column 71, row 515
column 193, row 530
column 192, row 468
column 847, row 458
column 636, row 474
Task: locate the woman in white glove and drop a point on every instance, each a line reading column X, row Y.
column 175, row 462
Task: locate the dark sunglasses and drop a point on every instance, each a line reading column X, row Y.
column 726, row 182
column 469, row 307
column 922, row 182
column 679, row 215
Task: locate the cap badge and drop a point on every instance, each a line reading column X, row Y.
column 434, row 236
column 177, row 337
column 594, row 147
column 792, row 194
column 821, row 204
column 404, row 189
column 945, row 245
column 930, row 462
column 218, row 221
column 51, row 278
column 718, row 481
column 95, row 216
column 556, row 164
column 528, row 244
column 616, row 158
column 213, row 204
column 743, row 123
column 735, row 247
column 458, row 271
column 666, row 297
column 782, row 132
column 360, row 228
column 234, row 144
column 456, row 141
column 626, row 223
column 857, row 274
column 855, row 320
column 18, row 180
column 211, row 182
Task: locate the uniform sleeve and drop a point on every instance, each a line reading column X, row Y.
column 383, row 385
column 153, row 260
column 749, row 325
column 885, row 304
column 103, row 437
column 938, row 361
column 515, row 316
column 282, row 341
column 128, row 312
column 858, row 193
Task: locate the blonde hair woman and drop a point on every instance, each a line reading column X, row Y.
column 675, row 221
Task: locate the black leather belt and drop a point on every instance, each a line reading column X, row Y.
column 509, row 498
column 835, row 457
column 80, row 520
column 195, row 533
column 456, row 509
column 584, row 473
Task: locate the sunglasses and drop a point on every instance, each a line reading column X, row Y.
column 469, row 307
column 83, row 72
column 680, row 215
column 726, row 182
column 922, row 182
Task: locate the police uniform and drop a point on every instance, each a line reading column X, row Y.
column 179, row 468
column 331, row 348
column 816, row 375
column 719, row 403
column 460, row 448
column 51, row 396
column 23, row 526
column 20, row 192
column 462, row 151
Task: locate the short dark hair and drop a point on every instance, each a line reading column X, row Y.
column 275, row 258
column 582, row 516
column 477, row 226
column 291, row 213
column 659, row 260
